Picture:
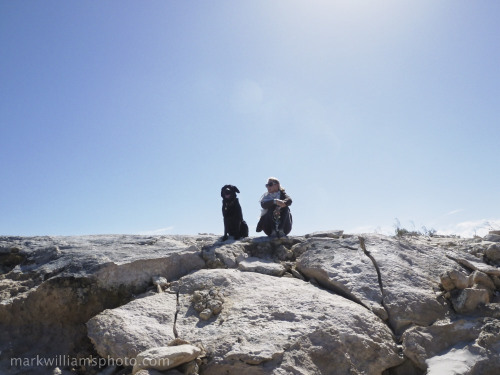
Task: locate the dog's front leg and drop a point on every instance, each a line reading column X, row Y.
column 226, row 236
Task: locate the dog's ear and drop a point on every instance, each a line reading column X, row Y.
column 235, row 189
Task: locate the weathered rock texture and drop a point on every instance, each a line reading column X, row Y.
column 326, row 303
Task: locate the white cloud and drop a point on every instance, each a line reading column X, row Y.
column 454, row 212
column 157, row 231
column 464, row 229
column 471, row 228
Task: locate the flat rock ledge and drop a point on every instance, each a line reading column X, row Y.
column 325, row 303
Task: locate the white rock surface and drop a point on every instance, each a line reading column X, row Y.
column 269, row 323
column 466, row 346
column 454, row 362
column 410, row 273
column 153, row 327
column 342, row 266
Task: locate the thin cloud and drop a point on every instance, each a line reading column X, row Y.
column 454, row 212
column 155, row 232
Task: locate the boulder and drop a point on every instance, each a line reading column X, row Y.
column 342, row 267
column 492, row 253
column 397, row 279
column 492, row 237
column 153, row 327
column 266, row 267
column 422, row 343
column 51, row 286
column 268, row 322
column 225, row 255
column 473, row 263
column 410, row 271
column 164, row 358
column 465, row 346
column 469, row 299
column 270, row 325
column 139, row 273
column 454, row 279
column 480, row 280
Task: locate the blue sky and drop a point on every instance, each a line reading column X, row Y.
column 129, row 116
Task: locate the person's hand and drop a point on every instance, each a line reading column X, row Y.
column 280, row 203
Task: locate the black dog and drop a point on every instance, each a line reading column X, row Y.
column 234, row 225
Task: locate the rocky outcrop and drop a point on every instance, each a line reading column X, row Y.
column 326, row 303
column 51, row 286
column 466, row 346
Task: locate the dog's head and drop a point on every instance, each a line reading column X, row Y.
column 228, row 192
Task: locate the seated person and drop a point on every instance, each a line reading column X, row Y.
column 275, row 218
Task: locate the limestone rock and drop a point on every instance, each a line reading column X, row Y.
column 468, row 347
column 455, row 361
column 480, row 280
column 473, row 263
column 410, row 275
column 454, row 279
column 167, row 357
column 266, row 267
column 150, row 329
column 422, row 343
column 341, row 266
column 291, row 310
column 492, row 237
column 51, row 286
column 345, row 316
column 268, row 323
column 225, row 255
column 467, row 300
column 493, row 253
column 208, row 302
column 326, row 233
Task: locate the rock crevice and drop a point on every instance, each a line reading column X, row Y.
column 362, row 244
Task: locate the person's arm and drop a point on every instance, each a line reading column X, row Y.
column 267, row 204
column 287, row 199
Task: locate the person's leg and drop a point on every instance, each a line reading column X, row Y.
column 286, row 222
column 267, row 223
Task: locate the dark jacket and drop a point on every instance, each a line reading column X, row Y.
column 283, row 196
